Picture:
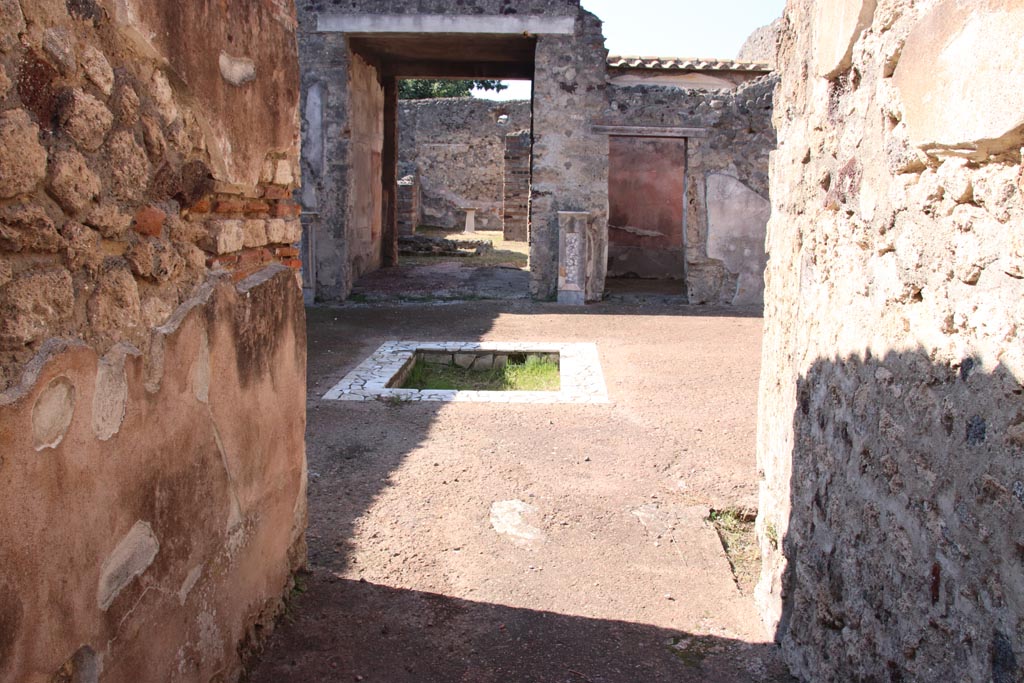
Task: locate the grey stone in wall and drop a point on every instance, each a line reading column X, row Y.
column 891, row 427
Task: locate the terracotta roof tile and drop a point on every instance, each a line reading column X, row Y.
column 684, row 64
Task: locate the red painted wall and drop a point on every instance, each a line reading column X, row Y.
column 645, row 194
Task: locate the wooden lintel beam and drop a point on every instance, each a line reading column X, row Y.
column 650, row 132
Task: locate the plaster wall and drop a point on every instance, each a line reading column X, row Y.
column 154, row 505
column 891, row 426
column 366, row 130
column 152, row 352
column 645, row 196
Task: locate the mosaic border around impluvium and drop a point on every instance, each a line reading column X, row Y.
column 582, row 380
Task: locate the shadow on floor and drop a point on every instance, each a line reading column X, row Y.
column 344, row 630
column 339, row 628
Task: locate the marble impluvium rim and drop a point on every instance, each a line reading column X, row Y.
column 582, row 380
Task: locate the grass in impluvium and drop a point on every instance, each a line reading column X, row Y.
column 735, row 529
column 532, row 374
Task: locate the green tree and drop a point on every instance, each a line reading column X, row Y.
column 426, row 89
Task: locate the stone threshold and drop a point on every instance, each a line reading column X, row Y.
column 581, row 377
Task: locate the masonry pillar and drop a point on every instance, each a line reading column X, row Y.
column 570, row 160
column 408, row 205
column 389, row 169
column 516, row 191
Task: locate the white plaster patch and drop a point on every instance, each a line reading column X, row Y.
column 201, row 370
column 130, row 559
column 52, row 413
column 189, row 583
column 237, row 70
column 508, row 518
column 110, row 397
column 737, row 225
column 582, row 380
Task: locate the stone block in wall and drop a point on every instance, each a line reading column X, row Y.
column 281, row 231
column 33, row 305
column 84, row 119
column 840, row 23
column 965, row 49
column 224, row 236
column 24, row 227
column 255, row 233
column 71, row 182
column 22, row 158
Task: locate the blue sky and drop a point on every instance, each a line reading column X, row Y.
column 674, row 28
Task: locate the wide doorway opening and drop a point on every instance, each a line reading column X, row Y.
column 647, row 185
column 455, row 171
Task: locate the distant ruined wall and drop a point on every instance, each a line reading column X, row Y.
column 762, row 44
column 152, row 353
column 458, row 147
column 891, row 419
column 727, row 184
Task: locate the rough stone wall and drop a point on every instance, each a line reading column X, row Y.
column 727, row 179
column 762, row 44
column 148, row 153
column 121, row 186
column 458, row 147
column 570, row 161
column 892, row 408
